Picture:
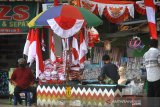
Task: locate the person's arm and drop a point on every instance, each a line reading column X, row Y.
column 13, row 78
column 102, row 74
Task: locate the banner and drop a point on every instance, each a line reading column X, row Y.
column 15, row 16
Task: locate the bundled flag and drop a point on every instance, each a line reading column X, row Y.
column 42, row 41
column 39, row 59
column 52, row 49
column 150, row 10
column 83, row 50
column 75, row 50
column 32, row 48
column 28, row 41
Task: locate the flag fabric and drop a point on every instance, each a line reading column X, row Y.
column 52, row 49
column 75, row 50
column 28, row 40
column 42, row 41
column 83, row 50
column 39, row 59
column 150, row 10
column 32, row 48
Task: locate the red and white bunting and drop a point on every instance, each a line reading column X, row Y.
column 140, row 7
column 88, row 5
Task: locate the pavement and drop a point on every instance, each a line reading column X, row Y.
column 7, row 103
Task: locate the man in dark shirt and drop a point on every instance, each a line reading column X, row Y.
column 109, row 69
column 23, row 79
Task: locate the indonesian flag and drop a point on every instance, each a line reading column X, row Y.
column 28, row 40
column 75, row 50
column 42, row 41
column 39, row 59
column 150, row 10
column 52, row 49
column 83, row 50
column 32, row 48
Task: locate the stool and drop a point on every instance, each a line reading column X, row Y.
column 27, row 98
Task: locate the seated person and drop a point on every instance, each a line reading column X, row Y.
column 23, row 80
column 122, row 80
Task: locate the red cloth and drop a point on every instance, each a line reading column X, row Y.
column 23, row 77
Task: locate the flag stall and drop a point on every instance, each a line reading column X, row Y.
column 71, row 28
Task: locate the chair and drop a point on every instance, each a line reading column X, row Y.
column 27, row 98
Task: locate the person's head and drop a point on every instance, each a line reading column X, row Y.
column 106, row 58
column 153, row 43
column 22, row 62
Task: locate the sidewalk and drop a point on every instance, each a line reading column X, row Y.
column 6, row 103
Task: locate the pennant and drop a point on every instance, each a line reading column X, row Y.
column 39, row 59
column 150, row 10
column 75, row 50
column 32, row 47
column 83, row 50
column 52, row 49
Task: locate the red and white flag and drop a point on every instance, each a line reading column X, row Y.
column 75, row 50
column 32, row 48
column 83, row 50
column 39, row 59
column 52, row 49
column 150, row 10
column 42, row 41
column 28, row 40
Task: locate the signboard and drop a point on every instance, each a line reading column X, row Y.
column 15, row 16
column 49, row 5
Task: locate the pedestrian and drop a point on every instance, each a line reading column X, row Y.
column 23, row 80
column 151, row 61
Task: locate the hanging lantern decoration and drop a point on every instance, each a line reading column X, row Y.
column 107, row 45
column 93, row 35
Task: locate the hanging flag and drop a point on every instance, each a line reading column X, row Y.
column 42, row 41
column 52, row 49
column 75, row 50
column 83, row 50
column 28, row 40
column 150, row 10
column 39, row 59
column 56, row 3
column 32, row 48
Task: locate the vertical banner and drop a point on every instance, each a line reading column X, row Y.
column 14, row 16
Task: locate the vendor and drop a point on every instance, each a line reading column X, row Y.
column 109, row 72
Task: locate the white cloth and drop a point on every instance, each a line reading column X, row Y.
column 151, row 60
